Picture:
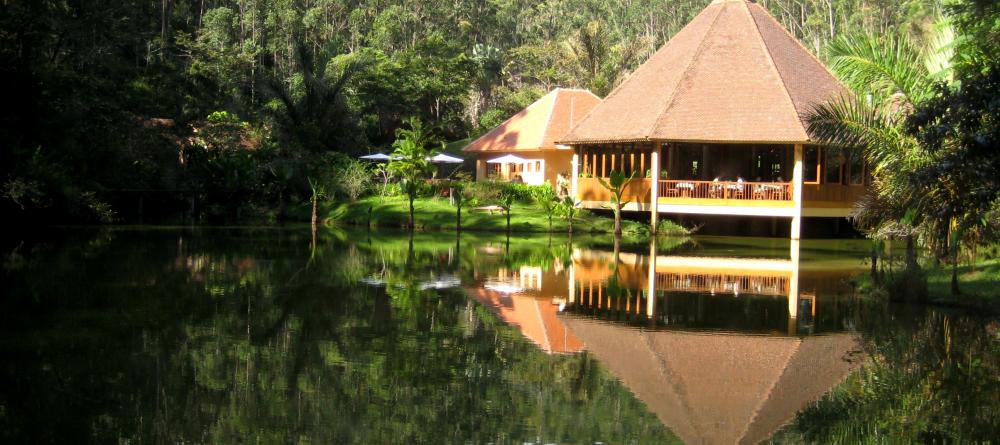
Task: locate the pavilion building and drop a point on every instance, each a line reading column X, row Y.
column 524, row 149
column 713, row 123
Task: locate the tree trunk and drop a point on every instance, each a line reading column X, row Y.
column 954, row 273
column 618, row 219
column 874, row 257
column 911, row 253
column 913, row 287
column 458, row 216
column 411, row 225
column 315, row 199
column 954, row 279
column 508, row 221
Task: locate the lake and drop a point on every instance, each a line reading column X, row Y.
column 266, row 335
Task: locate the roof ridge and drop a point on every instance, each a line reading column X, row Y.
column 774, row 67
column 678, row 390
column 505, row 122
column 797, row 42
column 548, row 119
column 686, row 71
column 770, row 390
column 582, row 118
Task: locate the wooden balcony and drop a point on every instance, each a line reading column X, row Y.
column 725, row 192
column 726, row 197
column 590, row 190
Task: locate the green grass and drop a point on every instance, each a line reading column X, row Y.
column 439, row 214
column 979, row 284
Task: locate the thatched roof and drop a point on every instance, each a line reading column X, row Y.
column 719, row 388
column 539, row 125
column 731, row 75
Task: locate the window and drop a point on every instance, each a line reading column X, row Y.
column 832, row 165
column 857, row 167
column 810, row 164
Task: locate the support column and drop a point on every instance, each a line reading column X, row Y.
column 797, row 194
column 793, row 290
column 572, row 282
column 480, row 170
column 574, row 174
column 654, row 187
column 651, row 283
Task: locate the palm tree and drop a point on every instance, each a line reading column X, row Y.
column 616, row 184
column 600, row 59
column 889, row 76
column 411, row 161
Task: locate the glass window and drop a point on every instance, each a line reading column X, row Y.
column 832, row 160
column 810, row 164
column 857, row 167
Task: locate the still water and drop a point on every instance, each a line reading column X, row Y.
column 273, row 336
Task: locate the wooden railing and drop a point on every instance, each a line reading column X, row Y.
column 833, row 192
column 731, row 190
column 722, row 283
column 590, row 189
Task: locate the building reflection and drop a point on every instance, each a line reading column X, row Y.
column 722, row 350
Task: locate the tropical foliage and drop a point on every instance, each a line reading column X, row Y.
column 919, row 114
column 222, row 110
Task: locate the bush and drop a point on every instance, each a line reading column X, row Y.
column 489, row 192
column 353, row 178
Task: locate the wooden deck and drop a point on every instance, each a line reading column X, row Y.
column 727, row 197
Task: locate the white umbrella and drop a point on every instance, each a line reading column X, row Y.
column 508, row 159
column 377, row 157
column 445, row 159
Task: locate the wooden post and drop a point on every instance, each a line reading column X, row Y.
column 572, row 282
column 796, row 230
column 793, row 290
column 480, row 170
column 574, row 175
column 651, row 283
column 654, row 187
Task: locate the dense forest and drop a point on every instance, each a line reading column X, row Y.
column 119, row 109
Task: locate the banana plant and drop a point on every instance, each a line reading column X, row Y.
column 568, row 209
column 616, row 184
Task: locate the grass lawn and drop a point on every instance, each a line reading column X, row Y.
column 979, row 285
column 439, row 214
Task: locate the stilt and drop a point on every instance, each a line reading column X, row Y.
column 796, row 230
column 654, row 188
column 651, row 284
column 793, row 290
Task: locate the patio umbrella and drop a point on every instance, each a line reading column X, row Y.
column 508, row 159
column 445, row 159
column 377, row 157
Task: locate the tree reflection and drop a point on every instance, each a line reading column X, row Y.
column 272, row 337
column 932, row 376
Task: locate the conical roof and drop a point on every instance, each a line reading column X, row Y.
column 733, row 74
column 539, row 125
column 719, row 388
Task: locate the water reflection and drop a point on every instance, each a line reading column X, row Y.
column 721, row 349
column 222, row 336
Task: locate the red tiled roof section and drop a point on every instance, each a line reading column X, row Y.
column 539, row 125
column 731, row 75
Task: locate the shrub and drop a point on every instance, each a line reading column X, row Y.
column 353, row 178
